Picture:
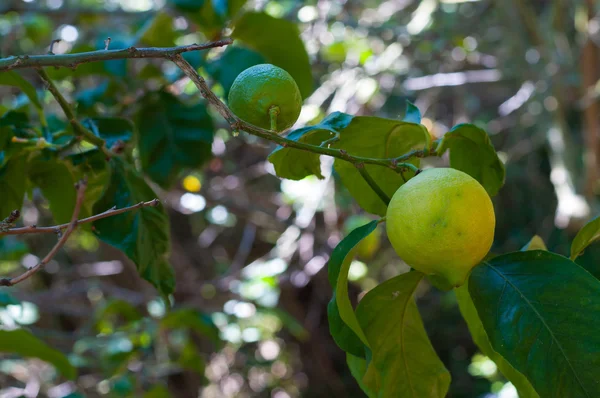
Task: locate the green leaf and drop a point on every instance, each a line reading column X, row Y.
column 540, row 312
column 469, row 313
column 471, row 151
column 94, row 167
column 12, row 248
column 143, row 235
column 231, row 63
column 379, row 138
column 191, row 360
column 158, row 392
column 413, row 114
column 587, row 235
column 295, row 164
column 54, row 178
column 12, row 185
column 343, row 324
column 403, row 363
column 6, row 298
column 358, row 368
column 12, row 78
column 159, row 31
column 111, row 129
column 188, row 5
column 187, row 318
column 113, row 308
column 279, row 42
column 172, row 136
column 21, row 342
column 536, row 243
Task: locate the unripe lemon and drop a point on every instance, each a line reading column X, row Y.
column 367, row 247
column 441, row 222
column 262, row 89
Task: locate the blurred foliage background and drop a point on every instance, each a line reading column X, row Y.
column 249, row 249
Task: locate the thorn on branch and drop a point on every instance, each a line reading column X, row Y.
column 106, row 43
column 51, row 50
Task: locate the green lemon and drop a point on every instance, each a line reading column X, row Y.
column 266, row 96
column 441, row 222
column 367, row 247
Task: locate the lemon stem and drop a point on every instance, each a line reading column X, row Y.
column 273, row 113
column 367, row 177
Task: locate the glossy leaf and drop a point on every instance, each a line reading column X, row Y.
column 540, row 312
column 111, row 129
column 358, row 368
column 413, row 114
column 587, row 235
column 173, row 136
column 295, row 164
column 279, row 42
column 536, row 243
column 21, row 342
column 12, row 78
column 143, row 234
column 54, row 178
column 379, row 138
column 469, row 313
column 403, row 363
column 471, row 151
column 231, row 63
column 12, row 185
column 343, row 324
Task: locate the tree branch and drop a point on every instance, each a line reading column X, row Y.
column 81, row 185
column 57, row 228
column 238, row 124
column 72, row 60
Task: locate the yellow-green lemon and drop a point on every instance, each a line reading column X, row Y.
column 441, row 222
column 262, row 90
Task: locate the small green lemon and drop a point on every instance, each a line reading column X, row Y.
column 441, row 222
column 367, row 247
column 263, row 90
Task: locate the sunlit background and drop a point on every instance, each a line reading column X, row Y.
column 250, row 250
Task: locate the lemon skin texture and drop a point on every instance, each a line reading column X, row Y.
column 441, row 222
column 367, row 247
column 261, row 87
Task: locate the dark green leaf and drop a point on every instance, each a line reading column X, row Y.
column 469, row 313
column 413, row 114
column 231, row 63
column 172, row 136
column 111, row 129
column 540, row 312
column 188, row 5
column 21, row 342
column 158, row 392
column 12, row 248
column 587, row 235
column 343, row 324
column 403, row 363
column 54, row 178
column 6, row 298
column 536, row 243
column 12, row 185
column 471, row 151
column 141, row 234
column 191, row 360
column 159, row 31
column 197, row 321
column 279, row 42
column 94, row 167
column 295, row 164
column 12, row 78
column 116, row 308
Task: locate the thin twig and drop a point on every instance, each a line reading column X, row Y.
column 78, row 128
column 238, row 124
column 54, row 229
column 81, row 185
column 72, row 60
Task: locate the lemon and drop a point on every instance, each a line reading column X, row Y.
column 441, row 222
column 367, row 247
column 266, row 96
